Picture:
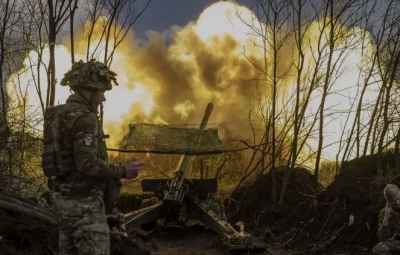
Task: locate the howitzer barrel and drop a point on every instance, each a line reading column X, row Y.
column 185, row 161
column 206, row 116
column 176, row 190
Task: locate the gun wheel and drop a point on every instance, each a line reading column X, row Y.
column 148, row 226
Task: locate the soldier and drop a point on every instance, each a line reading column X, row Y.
column 83, row 172
column 389, row 223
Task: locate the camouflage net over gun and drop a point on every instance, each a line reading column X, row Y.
column 171, row 139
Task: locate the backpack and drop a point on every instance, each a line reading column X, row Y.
column 51, row 158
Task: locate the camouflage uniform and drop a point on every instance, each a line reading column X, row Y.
column 389, row 236
column 79, row 205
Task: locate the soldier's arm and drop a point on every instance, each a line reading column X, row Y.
column 384, row 231
column 86, row 152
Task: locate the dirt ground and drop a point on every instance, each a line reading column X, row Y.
column 194, row 240
column 341, row 219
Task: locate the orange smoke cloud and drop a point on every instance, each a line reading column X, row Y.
column 172, row 82
column 198, row 66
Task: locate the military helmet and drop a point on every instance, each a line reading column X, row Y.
column 391, row 192
column 90, row 75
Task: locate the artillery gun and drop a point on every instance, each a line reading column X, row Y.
column 181, row 198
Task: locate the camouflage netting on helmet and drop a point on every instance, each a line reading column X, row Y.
column 91, row 75
column 171, row 139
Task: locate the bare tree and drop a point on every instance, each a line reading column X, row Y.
column 301, row 21
column 57, row 13
column 272, row 16
column 389, row 63
column 115, row 18
column 9, row 17
column 36, row 38
column 337, row 17
column 71, row 25
column 319, row 42
column 11, row 48
column 367, row 72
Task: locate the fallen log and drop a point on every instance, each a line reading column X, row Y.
column 15, row 204
column 21, row 218
column 26, row 227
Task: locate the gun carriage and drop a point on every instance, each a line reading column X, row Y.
column 180, row 198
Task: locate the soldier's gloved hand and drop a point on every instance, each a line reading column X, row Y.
column 133, row 166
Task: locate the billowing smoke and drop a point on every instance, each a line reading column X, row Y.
column 203, row 63
column 171, row 78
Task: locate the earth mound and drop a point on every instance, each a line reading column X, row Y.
column 346, row 217
column 256, row 205
column 341, row 218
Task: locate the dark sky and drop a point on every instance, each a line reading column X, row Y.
column 162, row 14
